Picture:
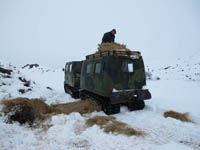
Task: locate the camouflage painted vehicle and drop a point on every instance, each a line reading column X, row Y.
column 114, row 78
column 72, row 78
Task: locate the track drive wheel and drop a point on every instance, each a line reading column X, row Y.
column 110, row 109
column 136, row 105
column 71, row 91
column 75, row 94
column 82, row 95
column 66, row 89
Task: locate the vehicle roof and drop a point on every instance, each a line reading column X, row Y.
column 100, row 54
column 74, row 62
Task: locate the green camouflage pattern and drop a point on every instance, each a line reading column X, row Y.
column 114, row 75
column 73, row 73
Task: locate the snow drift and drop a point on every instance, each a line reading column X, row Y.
column 70, row 130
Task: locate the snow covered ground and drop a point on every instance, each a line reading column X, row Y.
column 174, row 91
column 187, row 68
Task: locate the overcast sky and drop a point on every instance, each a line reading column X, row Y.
column 51, row 32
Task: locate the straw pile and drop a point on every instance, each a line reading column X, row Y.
column 178, row 116
column 109, row 124
column 29, row 111
column 112, row 46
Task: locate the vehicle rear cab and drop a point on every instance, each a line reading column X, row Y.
column 72, row 78
column 128, row 79
column 118, row 78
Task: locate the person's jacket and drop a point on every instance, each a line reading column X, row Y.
column 108, row 37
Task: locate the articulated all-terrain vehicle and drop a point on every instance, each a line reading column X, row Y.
column 112, row 78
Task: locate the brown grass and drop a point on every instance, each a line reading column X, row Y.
column 110, row 124
column 26, row 110
column 86, row 106
column 179, row 116
column 111, row 46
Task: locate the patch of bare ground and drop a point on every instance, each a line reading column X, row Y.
column 26, row 110
column 110, row 124
column 178, row 116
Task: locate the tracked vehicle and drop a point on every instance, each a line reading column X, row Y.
column 112, row 78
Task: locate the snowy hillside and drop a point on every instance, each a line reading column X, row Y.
column 173, row 91
column 42, row 83
column 187, row 69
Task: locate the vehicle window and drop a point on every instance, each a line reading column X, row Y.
column 66, row 68
column 97, row 67
column 88, row 68
column 130, row 67
column 70, row 68
column 127, row 67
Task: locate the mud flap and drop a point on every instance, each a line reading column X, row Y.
column 143, row 94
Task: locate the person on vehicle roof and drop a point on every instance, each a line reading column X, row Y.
column 109, row 37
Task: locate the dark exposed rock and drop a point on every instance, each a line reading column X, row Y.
column 1, row 84
column 49, row 88
column 167, row 67
column 26, row 82
column 5, row 71
column 28, row 90
column 30, row 66
column 22, row 79
column 5, row 76
column 22, row 91
column 157, row 78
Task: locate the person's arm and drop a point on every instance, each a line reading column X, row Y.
column 113, row 39
column 105, row 38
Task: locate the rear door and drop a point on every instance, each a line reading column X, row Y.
column 136, row 74
column 128, row 73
